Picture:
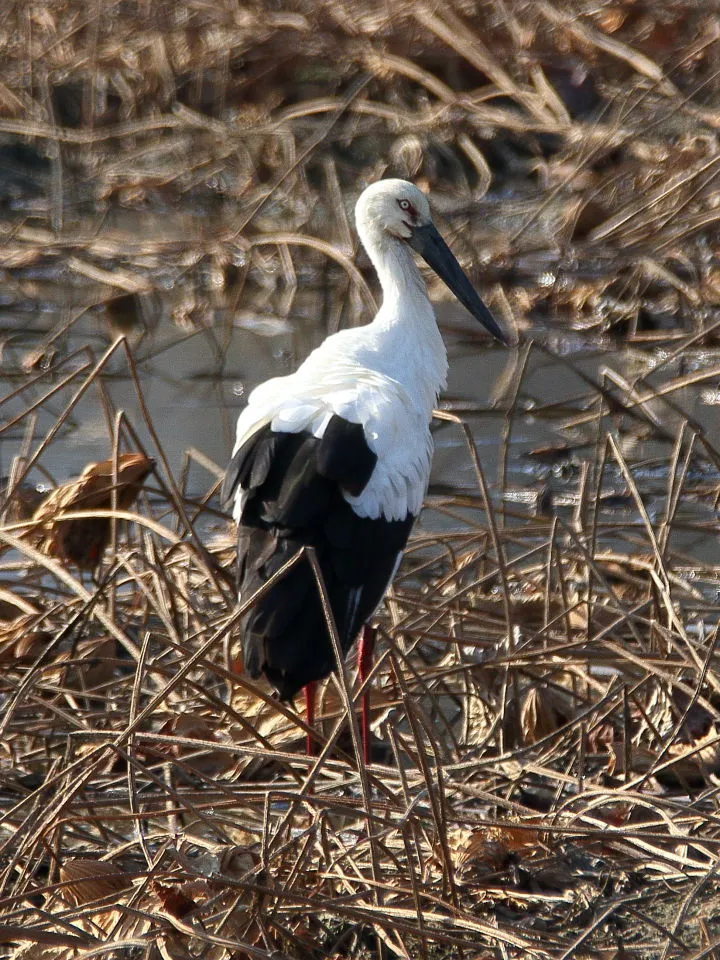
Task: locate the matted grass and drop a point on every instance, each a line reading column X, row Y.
column 239, row 135
column 545, row 750
column 545, row 760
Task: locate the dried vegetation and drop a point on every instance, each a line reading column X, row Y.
column 544, row 778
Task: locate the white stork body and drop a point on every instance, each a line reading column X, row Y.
column 383, row 376
column 351, row 479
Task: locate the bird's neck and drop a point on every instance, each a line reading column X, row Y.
column 405, row 322
column 405, row 300
column 400, row 279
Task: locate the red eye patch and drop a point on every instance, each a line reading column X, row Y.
column 407, row 207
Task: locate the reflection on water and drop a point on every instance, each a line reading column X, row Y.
column 195, row 381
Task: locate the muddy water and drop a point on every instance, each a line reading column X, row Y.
column 196, row 381
column 195, row 385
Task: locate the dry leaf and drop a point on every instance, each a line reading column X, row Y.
column 190, row 727
column 20, row 642
column 92, row 880
column 692, row 762
column 91, row 664
column 601, row 737
column 172, row 899
column 487, row 848
column 538, row 716
column 82, row 540
column 237, row 861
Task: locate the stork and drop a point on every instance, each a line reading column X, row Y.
column 337, row 456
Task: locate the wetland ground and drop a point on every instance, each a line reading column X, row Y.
column 176, row 192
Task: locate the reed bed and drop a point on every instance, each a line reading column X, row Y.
column 589, row 133
column 545, row 704
column 545, row 709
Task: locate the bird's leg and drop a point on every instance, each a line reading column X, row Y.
column 365, row 661
column 310, row 716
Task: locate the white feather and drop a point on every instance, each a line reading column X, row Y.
column 385, row 376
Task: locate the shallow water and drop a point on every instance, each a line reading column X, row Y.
column 195, row 381
column 195, row 386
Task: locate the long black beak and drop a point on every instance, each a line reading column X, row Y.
column 437, row 254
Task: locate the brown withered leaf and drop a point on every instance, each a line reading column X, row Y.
column 172, row 899
column 691, row 762
column 488, row 849
column 190, row 727
column 92, row 880
column 20, row 641
column 265, row 719
column 527, row 603
column 237, row 861
column 88, row 665
column 618, row 814
column 97, row 654
column 601, row 737
column 603, row 617
column 538, row 715
column 82, row 540
column 697, row 719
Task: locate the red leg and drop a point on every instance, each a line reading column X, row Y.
column 365, row 661
column 310, row 717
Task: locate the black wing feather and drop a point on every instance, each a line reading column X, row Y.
column 245, row 459
column 294, row 487
column 344, row 455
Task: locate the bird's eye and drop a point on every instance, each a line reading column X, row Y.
column 404, row 204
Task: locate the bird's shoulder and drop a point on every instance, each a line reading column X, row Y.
column 294, row 474
column 325, row 385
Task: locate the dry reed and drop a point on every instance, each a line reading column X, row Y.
column 546, row 700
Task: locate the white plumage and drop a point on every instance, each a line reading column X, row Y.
column 386, row 375
column 337, row 455
column 394, row 428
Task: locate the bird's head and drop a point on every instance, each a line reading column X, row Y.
column 393, row 206
column 396, row 210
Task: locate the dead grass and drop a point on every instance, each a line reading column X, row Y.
column 590, row 135
column 544, row 781
column 545, row 717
